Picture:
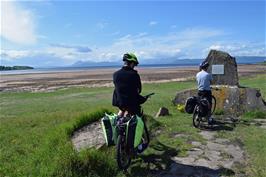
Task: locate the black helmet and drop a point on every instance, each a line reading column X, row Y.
column 204, row 64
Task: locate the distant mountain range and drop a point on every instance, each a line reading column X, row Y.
column 169, row 61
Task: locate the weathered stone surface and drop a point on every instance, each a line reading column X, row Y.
column 182, row 96
column 162, row 112
column 230, row 76
column 213, row 159
column 196, row 143
column 89, row 136
column 232, row 100
column 207, row 135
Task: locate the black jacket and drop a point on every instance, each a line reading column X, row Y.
column 127, row 88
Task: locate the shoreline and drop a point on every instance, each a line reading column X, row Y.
column 102, row 77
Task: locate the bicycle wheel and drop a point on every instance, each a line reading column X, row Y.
column 122, row 157
column 196, row 117
column 213, row 104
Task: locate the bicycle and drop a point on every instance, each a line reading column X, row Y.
column 124, row 151
column 200, row 111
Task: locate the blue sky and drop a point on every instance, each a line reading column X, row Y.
column 60, row 33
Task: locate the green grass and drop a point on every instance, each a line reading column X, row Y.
column 257, row 114
column 35, row 131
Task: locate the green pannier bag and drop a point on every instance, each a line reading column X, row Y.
column 134, row 131
column 109, row 129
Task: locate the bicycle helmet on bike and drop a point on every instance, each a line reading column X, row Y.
column 131, row 58
column 204, row 64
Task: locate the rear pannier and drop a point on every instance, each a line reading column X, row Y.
column 190, row 104
column 109, row 129
column 134, row 131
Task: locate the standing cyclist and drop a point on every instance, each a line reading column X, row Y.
column 204, row 86
column 127, row 91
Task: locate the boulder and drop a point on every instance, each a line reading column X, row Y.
column 162, row 112
column 232, row 100
column 229, row 76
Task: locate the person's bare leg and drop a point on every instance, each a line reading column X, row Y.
column 121, row 113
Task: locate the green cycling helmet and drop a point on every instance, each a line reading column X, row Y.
column 130, row 57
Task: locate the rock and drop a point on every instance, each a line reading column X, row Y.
column 207, row 135
column 215, row 146
column 232, row 100
column 162, row 112
column 182, row 96
column 196, row 143
column 230, row 76
column 88, row 136
column 221, row 141
column 184, row 160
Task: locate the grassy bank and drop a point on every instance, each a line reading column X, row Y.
column 35, row 128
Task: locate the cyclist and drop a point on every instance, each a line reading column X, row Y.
column 127, row 91
column 204, row 87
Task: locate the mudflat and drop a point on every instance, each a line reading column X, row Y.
column 35, row 82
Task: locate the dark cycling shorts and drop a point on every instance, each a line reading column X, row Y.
column 206, row 94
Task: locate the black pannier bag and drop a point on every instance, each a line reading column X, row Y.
column 190, row 104
column 204, row 107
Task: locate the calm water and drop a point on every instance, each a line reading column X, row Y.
column 78, row 69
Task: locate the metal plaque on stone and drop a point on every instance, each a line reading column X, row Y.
column 217, row 69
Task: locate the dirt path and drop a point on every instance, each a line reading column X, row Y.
column 215, row 157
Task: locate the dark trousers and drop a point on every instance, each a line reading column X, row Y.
column 208, row 95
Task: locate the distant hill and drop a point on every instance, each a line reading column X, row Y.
column 169, row 61
column 249, row 59
column 7, row 68
column 93, row 64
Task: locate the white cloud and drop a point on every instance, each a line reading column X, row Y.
column 215, row 47
column 188, row 43
column 101, row 25
column 17, row 23
column 152, row 23
column 240, row 48
column 172, row 45
column 15, row 54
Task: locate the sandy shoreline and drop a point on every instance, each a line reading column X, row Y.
column 35, row 82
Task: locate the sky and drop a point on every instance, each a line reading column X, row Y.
column 60, row 33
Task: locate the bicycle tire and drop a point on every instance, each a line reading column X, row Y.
column 121, row 153
column 213, row 104
column 146, row 130
column 196, row 118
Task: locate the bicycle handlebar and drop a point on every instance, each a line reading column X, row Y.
column 149, row 95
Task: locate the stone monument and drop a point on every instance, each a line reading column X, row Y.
column 223, row 68
column 230, row 96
